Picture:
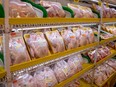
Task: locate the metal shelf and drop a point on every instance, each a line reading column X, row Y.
column 86, row 67
column 49, row 58
column 56, row 56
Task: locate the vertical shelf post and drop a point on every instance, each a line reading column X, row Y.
column 6, row 43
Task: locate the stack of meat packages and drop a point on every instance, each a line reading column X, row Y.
column 102, row 72
column 49, row 76
column 107, row 12
column 99, row 53
column 110, row 1
column 110, row 29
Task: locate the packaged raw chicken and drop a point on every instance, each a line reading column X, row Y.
column 37, row 44
column 81, row 11
column 69, row 39
column 20, row 9
column 24, row 80
column 62, row 70
column 18, row 51
column 84, row 35
column 75, row 64
column 45, row 77
column 54, row 9
column 55, row 40
column 106, row 36
column 90, row 35
column 107, row 12
column 77, row 32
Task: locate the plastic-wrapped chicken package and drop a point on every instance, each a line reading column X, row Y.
column 102, row 52
column 111, row 29
column 74, row 83
column 45, row 77
column 62, row 70
column 37, row 44
column 107, row 12
column 110, row 1
column 54, row 9
column 106, row 36
column 19, row 9
column 90, row 35
column 55, row 40
column 112, row 45
column 77, row 32
column 18, row 51
column 24, row 80
column 69, row 39
column 81, row 11
column 112, row 63
column 75, row 64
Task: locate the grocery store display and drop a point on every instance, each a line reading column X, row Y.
column 101, row 73
column 50, row 76
column 57, row 43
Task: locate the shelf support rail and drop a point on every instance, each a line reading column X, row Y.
column 6, row 43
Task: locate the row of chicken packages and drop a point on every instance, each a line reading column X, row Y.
column 107, row 11
column 110, row 1
column 49, row 76
column 20, row 9
column 110, row 29
column 41, row 44
column 101, row 73
column 98, row 54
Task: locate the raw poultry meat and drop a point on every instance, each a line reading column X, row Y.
column 20, row 9
column 106, row 36
column 77, row 32
column 81, row 11
column 110, row 1
column 18, row 49
column 69, row 39
column 107, row 12
column 54, row 9
column 24, row 80
column 82, row 36
column 101, row 53
column 45, row 77
column 55, row 40
column 101, row 73
column 90, row 35
column 74, row 63
column 38, row 45
column 62, row 70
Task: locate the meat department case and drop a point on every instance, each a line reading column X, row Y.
column 57, row 44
